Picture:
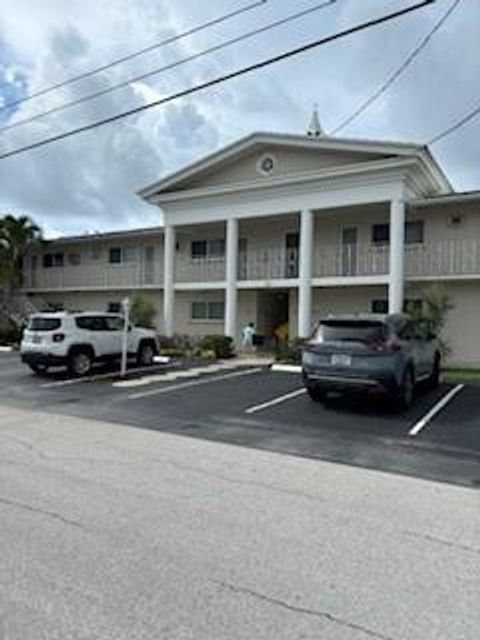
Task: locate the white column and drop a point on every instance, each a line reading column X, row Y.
column 305, row 274
column 169, row 280
column 231, row 278
column 397, row 252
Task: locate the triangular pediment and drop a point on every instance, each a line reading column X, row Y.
column 261, row 157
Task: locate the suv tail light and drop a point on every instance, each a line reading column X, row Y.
column 58, row 337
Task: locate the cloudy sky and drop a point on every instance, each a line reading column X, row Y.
column 89, row 182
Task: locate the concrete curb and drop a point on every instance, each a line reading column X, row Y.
column 287, row 368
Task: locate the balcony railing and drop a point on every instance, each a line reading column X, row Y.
column 92, row 276
column 436, row 259
column 443, row 258
column 200, row 270
column 350, row 260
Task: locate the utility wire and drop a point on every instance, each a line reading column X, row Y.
column 134, row 54
column 224, row 78
column 457, row 125
column 172, row 65
column 399, row 71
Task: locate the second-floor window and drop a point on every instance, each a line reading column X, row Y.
column 53, row 260
column 119, row 255
column 414, row 232
column 208, row 249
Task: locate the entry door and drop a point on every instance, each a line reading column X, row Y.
column 149, row 265
column 349, row 251
column 291, row 255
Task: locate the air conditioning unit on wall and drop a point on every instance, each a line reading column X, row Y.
column 456, row 220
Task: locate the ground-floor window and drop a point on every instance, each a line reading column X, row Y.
column 379, row 306
column 208, row 310
column 410, row 304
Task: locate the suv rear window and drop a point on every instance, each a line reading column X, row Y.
column 44, row 324
column 350, row 331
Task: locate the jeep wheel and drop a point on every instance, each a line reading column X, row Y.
column 145, row 354
column 38, row 368
column 80, row 363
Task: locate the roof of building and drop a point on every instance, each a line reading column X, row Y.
column 323, row 142
column 94, row 237
column 458, row 197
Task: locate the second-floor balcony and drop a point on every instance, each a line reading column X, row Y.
column 435, row 259
column 96, row 277
column 442, row 258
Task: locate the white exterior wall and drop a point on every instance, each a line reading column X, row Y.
column 345, row 300
column 287, row 162
column 98, row 300
column 95, row 269
column 461, row 331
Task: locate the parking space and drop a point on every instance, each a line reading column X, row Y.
column 252, row 406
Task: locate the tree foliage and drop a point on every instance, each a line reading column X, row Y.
column 143, row 312
column 431, row 315
column 17, row 235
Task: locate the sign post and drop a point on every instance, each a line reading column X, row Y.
column 126, row 324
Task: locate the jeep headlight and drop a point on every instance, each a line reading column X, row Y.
column 308, row 358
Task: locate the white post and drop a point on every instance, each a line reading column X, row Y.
column 397, row 253
column 169, row 280
column 305, row 274
column 126, row 324
column 231, row 278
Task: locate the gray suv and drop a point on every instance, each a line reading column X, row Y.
column 375, row 354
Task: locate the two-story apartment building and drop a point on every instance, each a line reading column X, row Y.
column 283, row 228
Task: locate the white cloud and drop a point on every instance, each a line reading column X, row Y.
column 90, row 181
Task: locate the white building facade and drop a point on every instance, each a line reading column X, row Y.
column 279, row 229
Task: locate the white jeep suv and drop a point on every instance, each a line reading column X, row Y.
column 77, row 340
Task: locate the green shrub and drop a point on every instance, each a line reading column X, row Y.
column 142, row 312
column 222, row 346
column 289, row 353
column 431, row 316
column 10, row 333
column 208, row 354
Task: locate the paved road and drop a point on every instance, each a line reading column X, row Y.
column 112, row 533
column 215, row 408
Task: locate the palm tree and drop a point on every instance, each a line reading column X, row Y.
column 17, row 235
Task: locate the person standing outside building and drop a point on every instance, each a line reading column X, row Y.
column 248, row 337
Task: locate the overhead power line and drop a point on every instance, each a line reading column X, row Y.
column 173, row 65
column 399, row 71
column 223, row 78
column 135, row 54
column 456, row 126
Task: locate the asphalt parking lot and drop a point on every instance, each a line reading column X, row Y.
column 439, row 438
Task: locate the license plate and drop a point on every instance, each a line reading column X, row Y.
column 36, row 339
column 341, row 359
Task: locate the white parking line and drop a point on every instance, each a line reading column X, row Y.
column 193, row 383
column 423, row 422
column 271, row 403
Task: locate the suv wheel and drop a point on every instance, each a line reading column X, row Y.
column 80, row 363
column 315, row 394
column 145, row 354
column 434, row 379
column 406, row 391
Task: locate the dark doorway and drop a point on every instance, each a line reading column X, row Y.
column 272, row 313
